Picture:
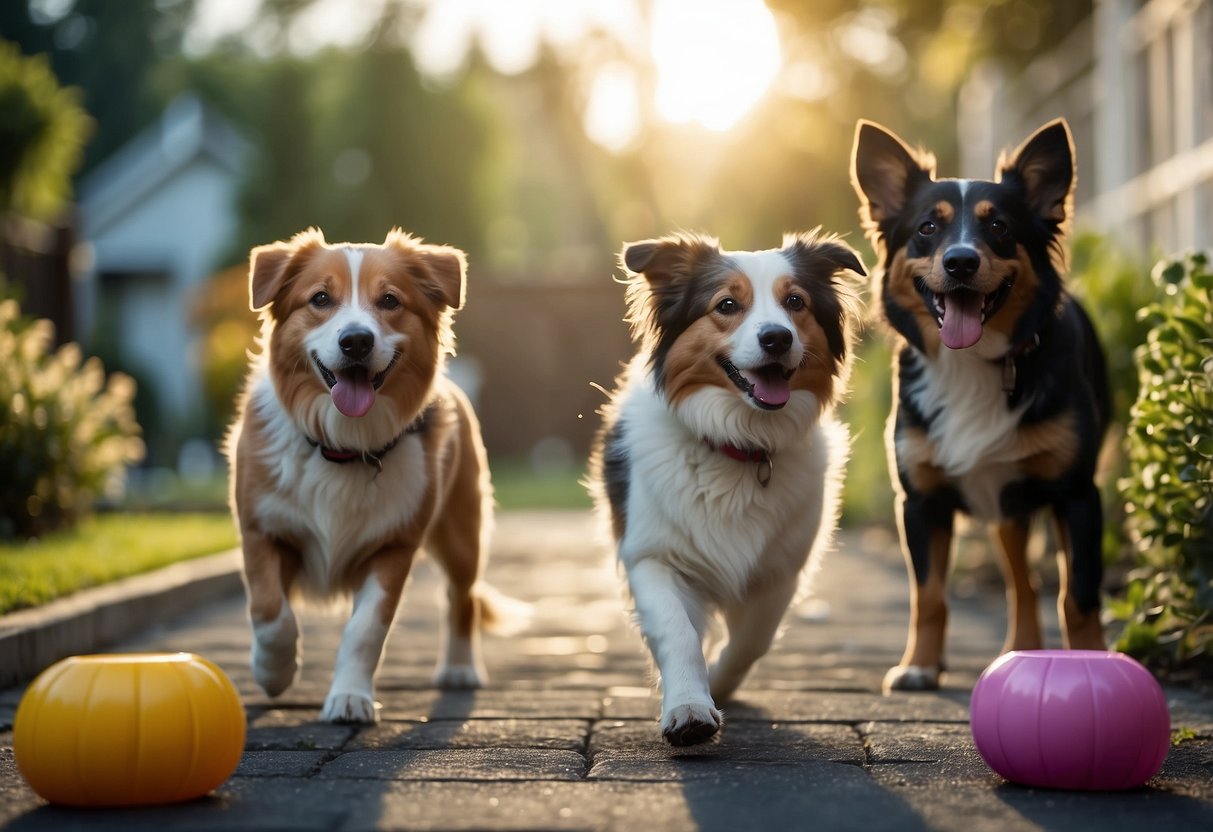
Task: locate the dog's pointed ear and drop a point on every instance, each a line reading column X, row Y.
column 668, row 259
column 1044, row 167
column 885, row 172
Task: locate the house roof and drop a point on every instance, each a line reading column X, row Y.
column 186, row 131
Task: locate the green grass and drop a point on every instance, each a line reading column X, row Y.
column 104, row 548
column 110, row 546
column 518, row 486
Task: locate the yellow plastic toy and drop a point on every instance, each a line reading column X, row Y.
column 128, row 729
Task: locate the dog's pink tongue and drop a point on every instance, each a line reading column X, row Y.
column 961, row 319
column 772, row 390
column 353, row 395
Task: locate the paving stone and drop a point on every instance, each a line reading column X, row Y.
column 565, row 736
column 299, row 730
column 457, row 764
column 562, row 734
column 488, row 703
column 280, row 763
column 919, row 753
column 634, row 750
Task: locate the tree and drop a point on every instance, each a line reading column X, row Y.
column 42, row 131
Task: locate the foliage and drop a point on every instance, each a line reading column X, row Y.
column 104, row 548
column 867, row 495
column 1114, row 288
column 42, row 132
column 1168, row 609
column 113, row 52
column 66, row 433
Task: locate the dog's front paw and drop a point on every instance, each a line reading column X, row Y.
column 274, row 673
column 458, row 677
column 690, row 724
column 911, row 677
column 349, row 707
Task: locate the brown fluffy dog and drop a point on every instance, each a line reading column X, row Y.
column 351, row 450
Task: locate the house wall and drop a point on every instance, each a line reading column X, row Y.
column 146, row 263
column 1136, row 84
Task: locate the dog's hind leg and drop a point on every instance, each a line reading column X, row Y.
column 1080, row 569
column 672, row 623
column 1023, row 614
column 351, row 697
column 926, row 533
column 458, row 543
column 752, row 625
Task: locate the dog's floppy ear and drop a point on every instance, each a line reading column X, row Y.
column 885, row 172
column 816, row 261
column 446, row 267
column 660, row 270
column 668, row 259
column 449, row 267
column 1044, row 167
column 267, row 269
column 269, row 266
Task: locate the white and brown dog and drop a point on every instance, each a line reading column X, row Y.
column 352, row 450
column 719, row 462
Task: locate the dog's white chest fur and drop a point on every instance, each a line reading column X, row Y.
column 707, row 515
column 334, row 511
column 973, row 434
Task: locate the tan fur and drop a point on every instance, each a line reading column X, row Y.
column 433, row 487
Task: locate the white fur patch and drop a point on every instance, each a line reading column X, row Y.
column 972, row 431
column 354, row 312
column 337, row 511
column 707, row 515
column 763, row 269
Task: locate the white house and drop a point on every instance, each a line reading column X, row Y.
column 1135, row 81
column 155, row 217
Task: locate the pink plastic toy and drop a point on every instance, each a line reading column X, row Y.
column 1070, row 719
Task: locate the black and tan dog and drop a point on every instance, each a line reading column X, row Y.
column 1001, row 392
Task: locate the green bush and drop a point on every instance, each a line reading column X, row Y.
column 42, row 135
column 1114, row 287
column 66, row 433
column 1168, row 608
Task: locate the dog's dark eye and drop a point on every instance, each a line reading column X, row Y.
column 320, row 300
column 927, row 228
column 793, row 303
column 728, row 306
column 389, row 302
column 998, row 228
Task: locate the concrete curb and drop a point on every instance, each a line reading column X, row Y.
column 92, row 619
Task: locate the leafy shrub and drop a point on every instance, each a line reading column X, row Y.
column 66, row 433
column 1113, row 286
column 42, row 135
column 1168, row 608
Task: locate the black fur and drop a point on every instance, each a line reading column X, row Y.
column 1054, row 363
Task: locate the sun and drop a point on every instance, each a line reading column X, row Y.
column 713, row 60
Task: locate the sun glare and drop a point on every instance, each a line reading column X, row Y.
column 714, row 60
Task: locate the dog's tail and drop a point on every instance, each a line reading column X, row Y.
column 500, row 614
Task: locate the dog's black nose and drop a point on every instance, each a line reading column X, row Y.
column 775, row 340
column 961, row 262
column 356, row 344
